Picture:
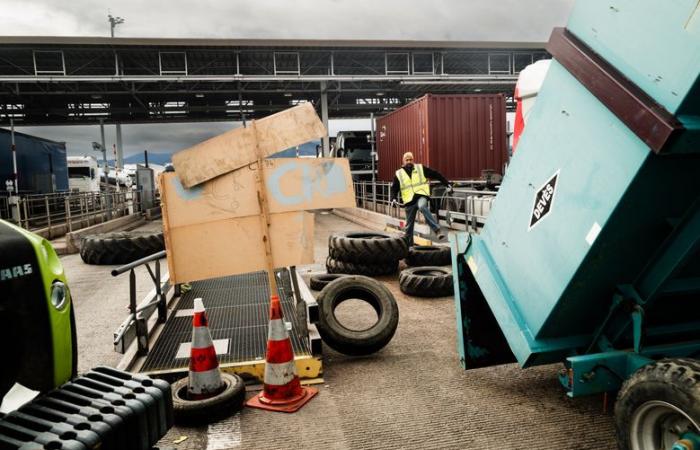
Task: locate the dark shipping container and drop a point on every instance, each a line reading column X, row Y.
column 42, row 166
column 457, row 135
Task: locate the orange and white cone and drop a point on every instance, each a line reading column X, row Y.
column 204, row 377
column 282, row 390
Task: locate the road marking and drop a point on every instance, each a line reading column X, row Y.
column 225, row 434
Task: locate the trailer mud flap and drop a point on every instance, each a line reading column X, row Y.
column 480, row 339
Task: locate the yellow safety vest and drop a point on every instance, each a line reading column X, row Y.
column 415, row 184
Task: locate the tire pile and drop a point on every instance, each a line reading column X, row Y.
column 425, row 277
column 365, row 253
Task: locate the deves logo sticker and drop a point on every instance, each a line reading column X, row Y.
column 544, row 198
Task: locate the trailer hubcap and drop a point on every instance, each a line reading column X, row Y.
column 658, row 425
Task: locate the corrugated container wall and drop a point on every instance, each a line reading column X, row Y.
column 42, row 166
column 457, row 135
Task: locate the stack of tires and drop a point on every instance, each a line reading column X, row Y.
column 365, row 253
column 427, row 276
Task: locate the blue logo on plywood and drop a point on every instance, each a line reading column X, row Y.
column 544, row 198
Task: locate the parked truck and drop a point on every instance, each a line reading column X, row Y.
column 591, row 253
column 83, row 174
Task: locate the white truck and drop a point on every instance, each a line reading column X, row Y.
column 83, row 174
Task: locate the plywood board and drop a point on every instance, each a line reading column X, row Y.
column 236, row 148
column 292, row 184
column 234, row 246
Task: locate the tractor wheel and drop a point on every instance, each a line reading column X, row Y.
column 366, row 247
column 120, row 247
column 658, row 405
column 426, row 282
column 429, row 255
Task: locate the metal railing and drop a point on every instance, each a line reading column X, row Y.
column 135, row 327
column 63, row 212
column 465, row 209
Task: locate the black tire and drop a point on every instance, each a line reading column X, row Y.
column 192, row 412
column 369, row 270
column 429, row 255
column 357, row 342
column 318, row 282
column 120, row 247
column 426, row 282
column 639, row 406
column 366, row 247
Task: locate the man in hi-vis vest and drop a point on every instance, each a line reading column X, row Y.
column 411, row 181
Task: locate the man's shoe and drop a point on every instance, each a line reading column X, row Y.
column 441, row 235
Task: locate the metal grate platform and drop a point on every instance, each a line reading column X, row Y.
column 238, row 310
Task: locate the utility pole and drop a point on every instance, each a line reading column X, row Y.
column 113, row 22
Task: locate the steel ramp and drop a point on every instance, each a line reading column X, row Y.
column 238, row 311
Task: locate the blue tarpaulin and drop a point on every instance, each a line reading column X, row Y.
column 41, row 164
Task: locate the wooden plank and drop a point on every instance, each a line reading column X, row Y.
column 237, row 148
column 292, row 184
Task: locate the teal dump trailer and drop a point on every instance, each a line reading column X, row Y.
column 591, row 253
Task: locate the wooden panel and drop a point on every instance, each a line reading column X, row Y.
column 236, row 148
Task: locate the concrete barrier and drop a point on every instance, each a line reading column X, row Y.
column 73, row 238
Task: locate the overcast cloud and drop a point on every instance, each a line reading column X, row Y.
column 460, row 20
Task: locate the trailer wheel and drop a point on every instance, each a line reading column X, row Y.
column 357, row 342
column 369, row 270
column 658, row 404
column 426, row 281
column 120, row 247
column 366, row 247
column 429, row 255
column 228, row 401
column 318, row 282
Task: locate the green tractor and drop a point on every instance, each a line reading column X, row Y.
column 37, row 338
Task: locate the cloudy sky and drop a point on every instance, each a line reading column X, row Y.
column 461, row 20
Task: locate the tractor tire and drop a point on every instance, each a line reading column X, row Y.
column 120, row 247
column 366, row 247
column 426, row 282
column 318, row 282
column 429, row 255
column 357, row 342
column 225, row 403
column 369, row 270
column 656, row 402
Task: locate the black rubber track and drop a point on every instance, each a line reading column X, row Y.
column 120, row 247
column 369, row 270
column 194, row 412
column 318, row 282
column 675, row 381
column 429, row 255
column 357, row 342
column 426, row 282
column 366, row 247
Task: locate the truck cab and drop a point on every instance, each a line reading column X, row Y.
column 82, row 174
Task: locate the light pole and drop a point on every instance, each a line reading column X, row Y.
column 113, row 22
column 101, row 148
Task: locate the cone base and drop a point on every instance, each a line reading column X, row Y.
column 288, row 406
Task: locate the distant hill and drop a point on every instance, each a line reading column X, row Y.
column 155, row 158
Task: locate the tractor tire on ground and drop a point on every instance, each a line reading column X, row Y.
column 429, row 255
column 366, row 247
column 657, row 403
column 357, row 342
column 120, row 247
column 318, row 282
column 369, row 270
column 426, row 282
column 227, row 402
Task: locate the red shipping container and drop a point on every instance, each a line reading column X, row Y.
column 457, row 135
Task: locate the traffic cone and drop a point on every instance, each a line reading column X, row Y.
column 282, row 390
column 204, row 377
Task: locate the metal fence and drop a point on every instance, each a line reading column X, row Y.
column 60, row 213
column 465, row 209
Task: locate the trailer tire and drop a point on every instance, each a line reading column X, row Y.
column 429, row 255
column 657, row 396
column 120, row 247
column 191, row 412
column 366, row 247
column 318, row 282
column 430, row 281
column 357, row 342
column 370, row 270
